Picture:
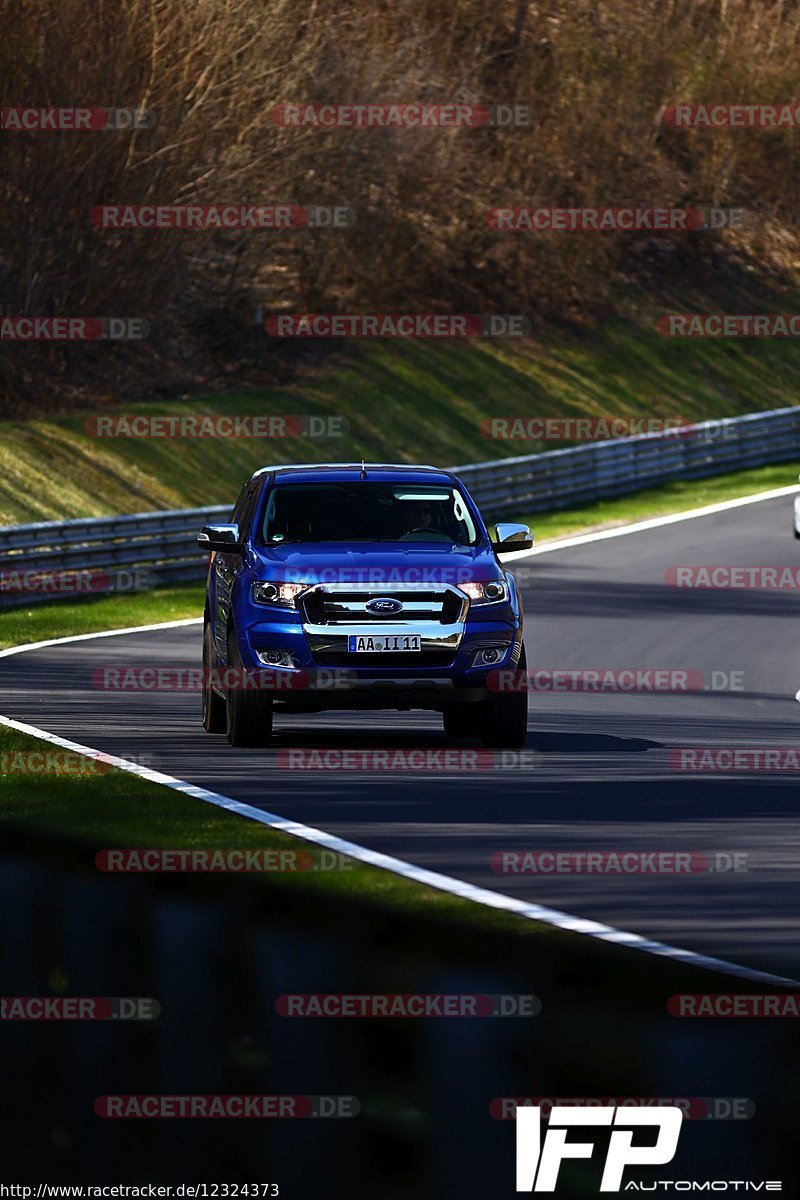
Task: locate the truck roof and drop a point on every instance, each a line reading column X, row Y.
column 341, row 472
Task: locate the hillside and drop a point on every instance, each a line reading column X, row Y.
column 410, row 401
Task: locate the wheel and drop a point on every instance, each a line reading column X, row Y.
column 248, row 713
column 214, row 720
column 504, row 720
column 462, row 720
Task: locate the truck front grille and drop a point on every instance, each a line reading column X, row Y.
column 332, row 612
column 345, row 605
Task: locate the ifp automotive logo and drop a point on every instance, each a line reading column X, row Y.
column 538, row 1164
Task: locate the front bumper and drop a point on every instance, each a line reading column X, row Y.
column 441, row 672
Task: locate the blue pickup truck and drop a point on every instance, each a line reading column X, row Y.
column 361, row 586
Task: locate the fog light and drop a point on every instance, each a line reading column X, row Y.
column 275, row 658
column 489, row 656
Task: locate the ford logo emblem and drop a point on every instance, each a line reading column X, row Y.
column 384, row 604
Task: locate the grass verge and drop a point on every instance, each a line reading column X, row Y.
column 95, row 807
column 65, row 618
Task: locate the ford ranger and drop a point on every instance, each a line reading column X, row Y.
column 361, row 586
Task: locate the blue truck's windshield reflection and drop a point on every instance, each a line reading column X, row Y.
column 364, row 511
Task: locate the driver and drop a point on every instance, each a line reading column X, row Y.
column 417, row 515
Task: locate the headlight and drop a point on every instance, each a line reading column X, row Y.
column 276, row 593
column 486, row 593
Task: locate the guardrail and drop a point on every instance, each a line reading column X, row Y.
column 53, row 559
column 58, row 559
column 559, row 478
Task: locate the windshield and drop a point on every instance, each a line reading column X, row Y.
column 367, row 512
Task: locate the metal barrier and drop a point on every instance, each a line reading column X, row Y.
column 560, row 478
column 59, row 558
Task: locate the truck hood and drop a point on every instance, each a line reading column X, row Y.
column 384, row 563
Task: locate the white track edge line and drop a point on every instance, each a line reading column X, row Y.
column 689, row 514
column 104, row 633
column 421, row 875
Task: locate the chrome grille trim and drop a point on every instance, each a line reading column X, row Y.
column 343, row 606
column 357, row 608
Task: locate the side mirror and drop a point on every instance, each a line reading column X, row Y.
column 511, row 537
column 222, row 538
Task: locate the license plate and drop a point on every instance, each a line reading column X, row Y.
column 384, row 643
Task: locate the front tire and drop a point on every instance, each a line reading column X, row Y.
column 214, row 720
column 504, row 720
column 248, row 714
